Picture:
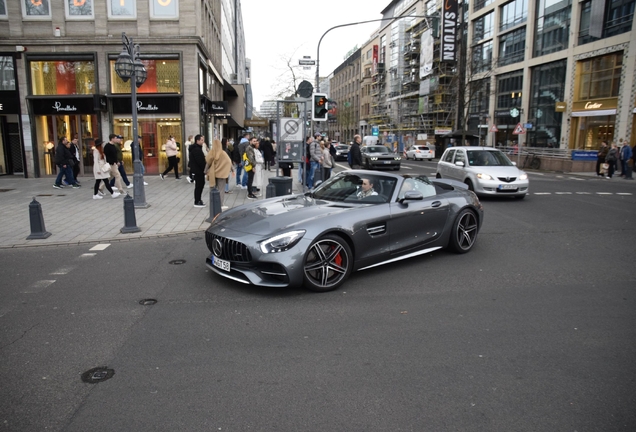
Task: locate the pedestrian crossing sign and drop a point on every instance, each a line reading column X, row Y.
column 519, row 130
column 494, row 128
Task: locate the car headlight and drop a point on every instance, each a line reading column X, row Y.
column 484, row 176
column 523, row 176
column 397, row 158
column 374, row 158
column 282, row 242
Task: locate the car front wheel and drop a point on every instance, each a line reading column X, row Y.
column 328, row 263
column 464, row 232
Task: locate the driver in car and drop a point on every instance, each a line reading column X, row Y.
column 366, row 189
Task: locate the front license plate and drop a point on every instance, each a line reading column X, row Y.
column 387, row 162
column 222, row 264
column 507, row 187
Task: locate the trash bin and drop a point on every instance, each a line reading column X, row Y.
column 283, row 185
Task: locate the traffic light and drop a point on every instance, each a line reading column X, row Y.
column 320, row 108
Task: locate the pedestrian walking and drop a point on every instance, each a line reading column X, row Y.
column 600, row 158
column 197, row 164
column 218, row 167
column 120, row 166
column 173, row 163
column 266, row 149
column 101, row 171
column 626, row 160
column 356, row 154
column 75, row 151
column 259, row 168
column 249, row 161
column 188, row 143
column 611, row 158
column 243, row 145
column 110, row 150
column 64, row 162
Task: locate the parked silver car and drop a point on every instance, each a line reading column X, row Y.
column 486, row 171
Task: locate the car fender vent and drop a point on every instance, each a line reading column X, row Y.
column 375, row 230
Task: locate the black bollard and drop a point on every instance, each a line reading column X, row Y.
column 130, row 221
column 270, row 191
column 215, row 203
column 38, row 231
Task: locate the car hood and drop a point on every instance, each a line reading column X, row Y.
column 497, row 171
column 380, row 154
column 276, row 215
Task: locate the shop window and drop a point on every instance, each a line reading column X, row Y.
column 512, row 47
column 600, row 77
column 36, row 9
column 7, row 73
column 122, row 8
column 552, row 27
column 164, row 9
column 164, row 76
column 548, row 87
column 482, row 27
column 60, row 77
column 79, row 9
column 509, row 88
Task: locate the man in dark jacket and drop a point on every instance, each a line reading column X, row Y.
column 64, row 162
column 197, row 166
column 110, row 151
column 356, row 155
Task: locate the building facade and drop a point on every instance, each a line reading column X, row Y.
column 345, row 89
column 57, row 62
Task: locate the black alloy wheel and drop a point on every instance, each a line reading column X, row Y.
column 328, row 263
column 464, row 232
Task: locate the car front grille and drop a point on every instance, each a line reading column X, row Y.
column 230, row 250
column 507, row 179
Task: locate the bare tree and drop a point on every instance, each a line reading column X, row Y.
column 285, row 87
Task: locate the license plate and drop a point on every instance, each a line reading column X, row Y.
column 222, row 264
column 507, row 187
column 387, row 162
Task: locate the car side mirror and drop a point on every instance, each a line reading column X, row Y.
column 412, row 196
column 459, row 163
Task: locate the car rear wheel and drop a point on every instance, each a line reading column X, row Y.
column 328, row 263
column 464, row 232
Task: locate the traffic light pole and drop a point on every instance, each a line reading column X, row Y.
column 390, row 20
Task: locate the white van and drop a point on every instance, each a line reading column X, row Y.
column 370, row 140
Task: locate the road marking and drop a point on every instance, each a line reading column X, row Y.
column 87, row 255
column 624, row 193
column 584, row 193
column 563, row 193
column 576, row 178
column 62, row 271
column 404, row 166
column 543, row 193
column 38, row 286
column 604, row 193
column 100, row 247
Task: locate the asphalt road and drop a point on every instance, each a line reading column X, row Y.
column 533, row 330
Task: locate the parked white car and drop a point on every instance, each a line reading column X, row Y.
column 418, row 152
column 486, row 171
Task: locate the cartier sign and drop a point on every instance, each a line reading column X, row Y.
column 593, row 105
column 598, row 104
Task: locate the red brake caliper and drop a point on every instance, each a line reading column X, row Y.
column 338, row 258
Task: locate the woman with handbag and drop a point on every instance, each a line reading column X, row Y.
column 101, row 171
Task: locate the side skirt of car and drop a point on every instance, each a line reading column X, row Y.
column 402, row 257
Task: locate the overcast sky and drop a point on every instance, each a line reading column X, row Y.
column 292, row 29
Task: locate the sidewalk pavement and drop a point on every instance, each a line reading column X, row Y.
column 72, row 216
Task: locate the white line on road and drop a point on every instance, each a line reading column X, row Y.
column 583, row 193
column 87, row 255
column 100, row 247
column 62, row 271
column 38, row 286
column 543, row 193
column 624, row 193
column 604, row 193
column 404, row 166
column 563, row 193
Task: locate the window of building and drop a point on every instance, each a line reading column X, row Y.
column 122, row 8
column 512, row 47
column 3, row 9
column 482, row 57
column 599, row 77
column 164, row 76
column 36, row 9
column 480, row 4
column 552, row 27
column 79, row 9
column 547, row 87
column 7, row 73
column 513, row 14
column 62, row 77
column 509, row 87
column 618, row 19
column 482, row 27
column 164, row 9
column 479, row 96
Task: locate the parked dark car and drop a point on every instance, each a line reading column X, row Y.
column 379, row 156
column 381, row 218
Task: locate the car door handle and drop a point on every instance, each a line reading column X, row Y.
column 436, row 203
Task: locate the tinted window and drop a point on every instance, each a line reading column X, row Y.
column 487, row 158
column 377, row 149
column 459, row 156
column 449, row 156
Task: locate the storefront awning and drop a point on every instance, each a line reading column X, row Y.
column 594, row 113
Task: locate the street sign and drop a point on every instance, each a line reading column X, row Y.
column 305, row 89
column 291, row 129
column 527, row 125
column 519, row 130
column 306, row 62
column 494, row 128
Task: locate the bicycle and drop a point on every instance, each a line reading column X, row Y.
column 533, row 163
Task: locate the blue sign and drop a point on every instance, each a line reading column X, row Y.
column 584, row 155
column 527, row 125
column 375, row 130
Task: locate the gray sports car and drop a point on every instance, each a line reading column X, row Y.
column 355, row 220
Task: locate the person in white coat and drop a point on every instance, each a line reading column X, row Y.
column 259, row 170
column 99, row 160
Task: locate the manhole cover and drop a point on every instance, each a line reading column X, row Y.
column 5, row 190
column 177, row 262
column 147, row 302
column 97, row 375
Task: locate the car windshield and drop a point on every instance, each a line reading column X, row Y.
column 342, row 147
column 346, row 187
column 420, row 184
column 487, row 158
column 378, row 149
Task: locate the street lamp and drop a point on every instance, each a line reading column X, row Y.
column 129, row 67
